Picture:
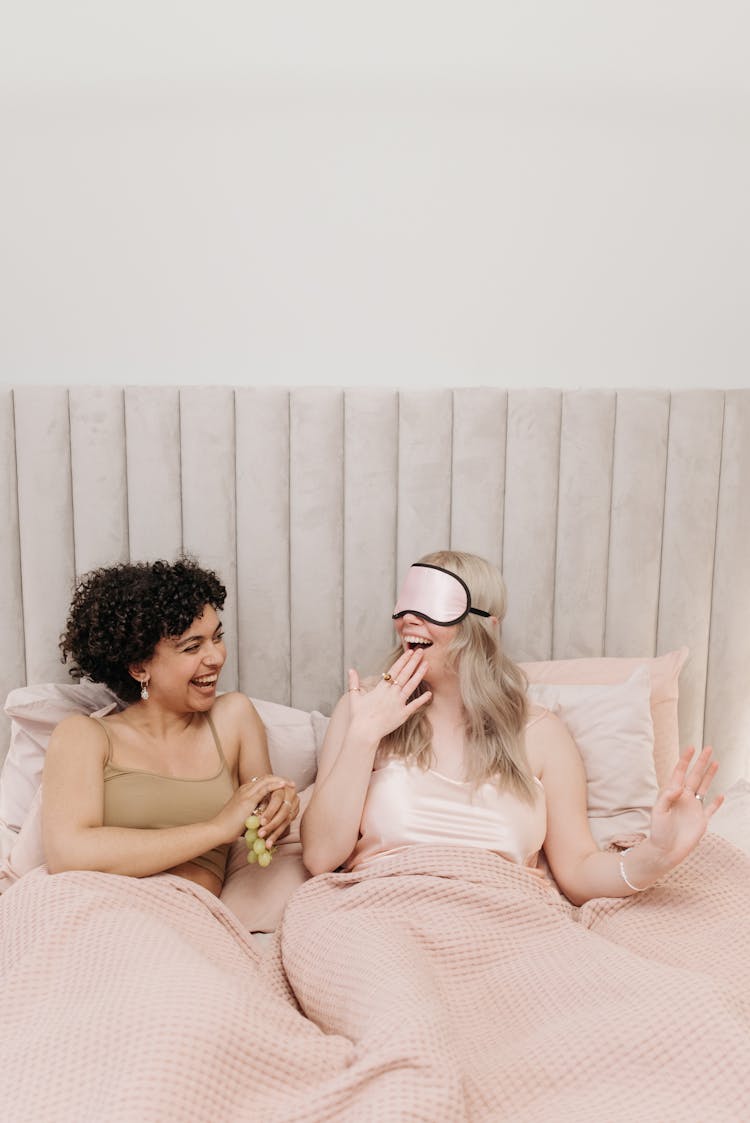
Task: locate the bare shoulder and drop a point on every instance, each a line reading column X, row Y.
column 77, row 733
column 547, row 737
column 234, row 704
column 74, row 727
column 233, row 713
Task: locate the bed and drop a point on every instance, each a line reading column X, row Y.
column 620, row 523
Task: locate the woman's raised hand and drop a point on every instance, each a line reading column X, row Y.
column 680, row 816
column 389, row 703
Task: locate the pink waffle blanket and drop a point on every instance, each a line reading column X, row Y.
column 439, row 984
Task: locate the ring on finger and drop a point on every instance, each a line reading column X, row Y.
column 699, row 797
column 387, row 676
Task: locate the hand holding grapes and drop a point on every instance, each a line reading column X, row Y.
column 244, row 801
column 269, row 821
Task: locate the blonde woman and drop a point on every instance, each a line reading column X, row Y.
column 445, row 748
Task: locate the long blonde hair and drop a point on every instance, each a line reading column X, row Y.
column 493, row 687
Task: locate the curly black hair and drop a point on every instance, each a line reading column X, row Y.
column 119, row 613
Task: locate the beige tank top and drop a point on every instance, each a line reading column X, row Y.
column 149, row 800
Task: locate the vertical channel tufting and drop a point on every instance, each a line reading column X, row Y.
column 531, row 481
column 262, row 471
column 639, row 472
column 371, row 487
column 479, row 428
column 152, row 453
column 424, row 474
column 621, row 523
column 97, row 457
column 45, row 525
column 208, row 497
column 688, row 545
column 727, row 722
column 317, row 538
column 585, row 493
column 13, row 663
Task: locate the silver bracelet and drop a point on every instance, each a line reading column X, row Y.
column 624, row 876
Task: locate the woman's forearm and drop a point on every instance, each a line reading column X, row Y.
column 134, row 852
column 600, row 874
column 330, row 826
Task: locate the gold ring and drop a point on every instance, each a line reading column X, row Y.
column 387, row 677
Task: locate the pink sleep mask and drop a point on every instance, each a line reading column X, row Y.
column 436, row 595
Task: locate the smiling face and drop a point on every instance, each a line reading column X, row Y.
column 433, row 639
column 184, row 670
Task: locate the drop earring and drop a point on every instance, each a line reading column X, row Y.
column 144, row 689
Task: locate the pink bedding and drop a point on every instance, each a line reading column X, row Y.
column 438, row 984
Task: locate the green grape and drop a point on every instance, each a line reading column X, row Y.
column 257, row 849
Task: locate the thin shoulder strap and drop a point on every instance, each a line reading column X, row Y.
column 108, row 759
column 217, row 742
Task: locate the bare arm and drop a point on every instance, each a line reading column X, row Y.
column 582, row 870
column 330, row 825
column 72, row 813
column 282, row 805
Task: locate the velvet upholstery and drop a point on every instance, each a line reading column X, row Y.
column 620, row 520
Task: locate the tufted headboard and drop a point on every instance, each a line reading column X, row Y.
column 620, row 519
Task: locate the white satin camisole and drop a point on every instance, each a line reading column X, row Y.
column 407, row 805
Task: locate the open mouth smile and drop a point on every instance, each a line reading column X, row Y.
column 415, row 642
column 207, row 682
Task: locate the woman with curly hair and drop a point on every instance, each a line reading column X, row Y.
column 445, row 747
column 166, row 783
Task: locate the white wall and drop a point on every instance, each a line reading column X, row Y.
column 545, row 192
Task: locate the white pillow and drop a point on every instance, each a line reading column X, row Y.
column 27, row 851
column 291, row 741
column 34, row 712
column 613, row 729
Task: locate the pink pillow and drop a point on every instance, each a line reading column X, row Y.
column 664, row 672
column 612, row 727
column 257, row 896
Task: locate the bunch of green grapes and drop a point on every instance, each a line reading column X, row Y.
column 257, row 851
